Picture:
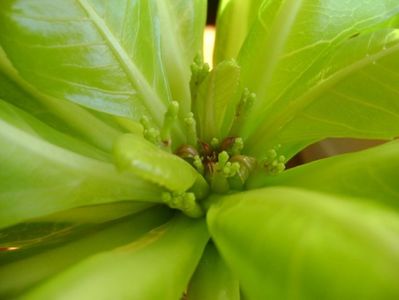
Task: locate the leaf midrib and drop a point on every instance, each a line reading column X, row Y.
column 152, row 101
column 306, row 99
column 281, row 23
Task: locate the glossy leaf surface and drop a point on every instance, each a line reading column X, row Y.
column 89, row 49
column 157, row 266
column 285, row 243
column 63, row 115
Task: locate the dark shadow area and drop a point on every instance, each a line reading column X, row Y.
column 212, row 11
column 336, row 146
column 331, row 147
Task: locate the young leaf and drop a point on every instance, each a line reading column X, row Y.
column 89, row 49
column 285, row 243
column 371, row 174
column 136, row 155
column 213, row 279
column 215, row 104
column 157, row 266
column 43, row 263
column 182, row 24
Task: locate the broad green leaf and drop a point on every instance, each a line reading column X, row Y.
column 96, row 214
column 212, row 279
column 182, row 25
column 39, row 178
column 134, row 154
column 371, row 174
column 34, row 235
column 100, row 54
column 157, row 266
column 234, row 21
column 292, row 244
column 356, row 97
column 32, row 126
column 215, row 104
column 63, row 115
column 287, row 52
column 39, row 264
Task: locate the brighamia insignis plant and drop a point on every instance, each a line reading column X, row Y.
column 129, row 170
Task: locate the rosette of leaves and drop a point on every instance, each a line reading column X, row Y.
column 131, row 170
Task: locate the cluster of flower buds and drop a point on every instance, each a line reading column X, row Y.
column 221, row 163
column 186, row 202
column 273, row 162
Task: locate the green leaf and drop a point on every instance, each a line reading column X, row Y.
column 234, row 21
column 182, row 26
column 96, row 214
column 213, row 279
column 25, row 122
column 63, row 115
column 44, row 262
column 293, row 244
column 356, row 97
column 287, row 54
column 216, row 102
column 368, row 174
column 39, row 234
column 37, row 177
column 89, row 49
column 157, row 266
column 136, row 155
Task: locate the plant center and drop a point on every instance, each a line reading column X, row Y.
column 221, row 162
